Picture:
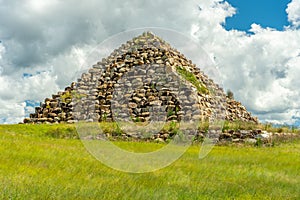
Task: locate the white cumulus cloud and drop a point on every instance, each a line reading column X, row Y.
column 293, row 11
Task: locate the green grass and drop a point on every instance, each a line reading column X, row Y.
column 37, row 165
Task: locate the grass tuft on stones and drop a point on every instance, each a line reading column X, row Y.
column 190, row 77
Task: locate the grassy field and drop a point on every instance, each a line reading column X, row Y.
column 35, row 163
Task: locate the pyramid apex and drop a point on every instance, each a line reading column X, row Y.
column 148, row 33
column 148, row 39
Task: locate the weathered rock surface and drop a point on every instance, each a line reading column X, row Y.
column 96, row 88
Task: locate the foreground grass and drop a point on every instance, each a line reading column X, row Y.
column 34, row 165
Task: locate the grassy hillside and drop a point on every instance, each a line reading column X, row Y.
column 36, row 164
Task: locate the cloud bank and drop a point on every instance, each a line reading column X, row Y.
column 44, row 43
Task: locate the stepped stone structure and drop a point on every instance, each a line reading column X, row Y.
column 144, row 55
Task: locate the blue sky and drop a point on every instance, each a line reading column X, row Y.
column 267, row 13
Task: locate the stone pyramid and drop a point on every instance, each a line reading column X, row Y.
column 99, row 83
